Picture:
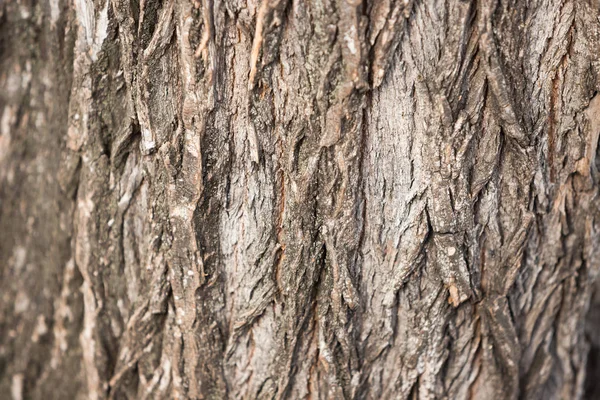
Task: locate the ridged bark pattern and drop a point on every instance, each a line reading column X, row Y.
column 299, row 199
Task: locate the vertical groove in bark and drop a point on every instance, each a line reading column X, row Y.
column 298, row 199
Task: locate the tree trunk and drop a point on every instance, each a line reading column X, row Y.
column 299, row 199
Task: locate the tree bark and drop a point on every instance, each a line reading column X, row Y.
column 299, row 199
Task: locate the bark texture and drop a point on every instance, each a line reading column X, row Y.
column 299, row 199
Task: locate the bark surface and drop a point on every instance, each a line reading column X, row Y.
column 299, row 199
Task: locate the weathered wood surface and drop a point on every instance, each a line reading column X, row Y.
column 327, row 199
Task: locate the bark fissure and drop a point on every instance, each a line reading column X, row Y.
column 299, row 199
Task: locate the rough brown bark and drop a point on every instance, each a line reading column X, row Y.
column 299, row 199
